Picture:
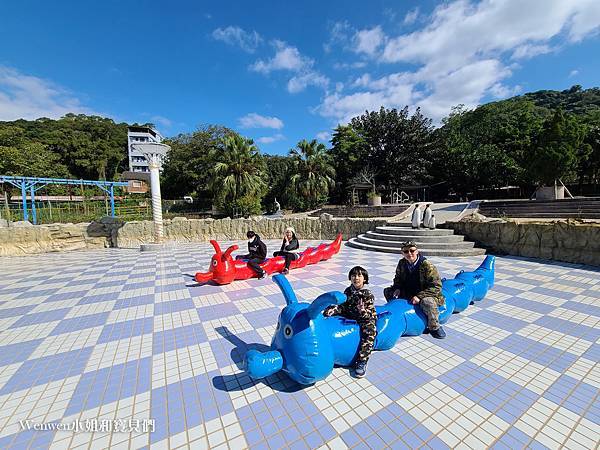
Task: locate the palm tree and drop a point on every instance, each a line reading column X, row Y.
column 313, row 172
column 237, row 177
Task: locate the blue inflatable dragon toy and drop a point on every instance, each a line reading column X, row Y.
column 307, row 345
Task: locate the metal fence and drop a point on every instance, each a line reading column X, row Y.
column 71, row 212
column 88, row 211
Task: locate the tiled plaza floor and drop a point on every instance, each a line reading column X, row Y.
column 118, row 334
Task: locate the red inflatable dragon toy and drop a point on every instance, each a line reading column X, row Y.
column 224, row 269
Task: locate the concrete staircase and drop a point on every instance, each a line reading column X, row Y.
column 439, row 242
column 576, row 208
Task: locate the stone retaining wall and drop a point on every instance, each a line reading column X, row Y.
column 566, row 240
column 132, row 234
column 25, row 240
column 29, row 239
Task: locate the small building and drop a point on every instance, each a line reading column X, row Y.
column 137, row 182
column 137, row 134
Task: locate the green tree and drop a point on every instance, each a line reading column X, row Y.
column 589, row 168
column 486, row 147
column 400, row 146
column 278, row 175
column 92, row 147
column 558, row 150
column 350, row 152
column 187, row 168
column 237, row 177
column 27, row 159
column 313, row 174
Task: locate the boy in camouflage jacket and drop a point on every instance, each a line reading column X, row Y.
column 359, row 306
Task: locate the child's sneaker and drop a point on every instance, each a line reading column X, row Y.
column 262, row 275
column 285, row 271
column 438, row 334
column 360, row 369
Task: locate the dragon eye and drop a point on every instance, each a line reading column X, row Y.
column 215, row 262
column 288, row 332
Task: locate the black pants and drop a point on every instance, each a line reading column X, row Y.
column 289, row 257
column 253, row 263
column 388, row 292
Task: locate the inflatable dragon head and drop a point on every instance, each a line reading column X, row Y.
column 301, row 346
column 222, row 269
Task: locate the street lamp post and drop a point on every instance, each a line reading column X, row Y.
column 154, row 152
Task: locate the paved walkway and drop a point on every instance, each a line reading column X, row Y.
column 117, row 338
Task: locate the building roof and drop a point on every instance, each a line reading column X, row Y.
column 129, row 175
column 141, row 129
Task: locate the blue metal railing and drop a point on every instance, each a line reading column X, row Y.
column 33, row 184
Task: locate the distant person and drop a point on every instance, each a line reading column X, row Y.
column 427, row 215
column 416, row 216
column 418, row 281
column 257, row 252
column 289, row 248
column 359, row 306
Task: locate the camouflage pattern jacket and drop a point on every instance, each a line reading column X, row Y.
column 430, row 283
column 359, row 305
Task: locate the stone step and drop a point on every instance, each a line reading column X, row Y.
column 412, row 232
column 353, row 242
column 364, row 239
column 402, row 238
column 564, row 201
column 541, row 215
column 578, row 208
column 543, row 209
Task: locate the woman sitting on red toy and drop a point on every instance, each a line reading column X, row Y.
column 289, row 248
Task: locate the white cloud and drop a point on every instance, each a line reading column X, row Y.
column 299, row 82
column 270, row 139
column 460, row 31
column 162, row 121
column 585, row 20
column 286, row 58
column 411, row 16
column 324, row 136
column 28, row 97
column 253, row 120
column 354, row 65
column 528, row 51
column 462, row 54
column 236, row 36
column 500, row 90
column 339, row 35
column 368, row 41
column 573, row 73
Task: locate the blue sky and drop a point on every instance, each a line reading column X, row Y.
column 279, row 72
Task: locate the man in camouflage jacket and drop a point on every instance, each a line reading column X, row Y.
column 418, row 281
